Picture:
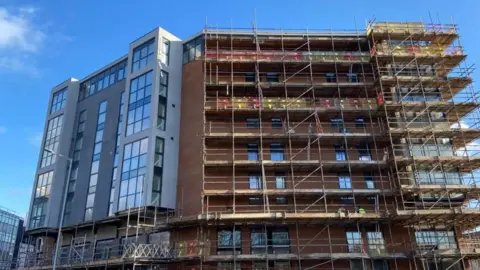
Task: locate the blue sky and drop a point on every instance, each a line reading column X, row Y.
column 42, row 43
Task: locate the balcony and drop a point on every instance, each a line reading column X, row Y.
column 278, row 56
column 439, row 182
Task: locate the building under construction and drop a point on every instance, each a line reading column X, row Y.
column 305, row 150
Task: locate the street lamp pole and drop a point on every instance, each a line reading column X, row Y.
column 64, row 202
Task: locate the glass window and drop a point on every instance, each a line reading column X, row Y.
column 331, row 77
column 359, row 122
column 276, row 123
column 159, row 144
column 143, row 55
column 166, row 51
column 364, row 152
column 43, row 185
column 376, row 243
column 340, row 153
column 252, row 150
column 37, row 215
column 250, row 77
column 138, row 117
column 254, row 182
column 280, row 182
column 163, row 83
column 193, row 49
column 54, row 128
column 344, row 181
column 133, row 174
column 228, row 239
column 273, row 77
column 369, row 182
column 276, row 151
column 253, row 123
column 354, row 241
column 162, row 111
column 58, row 101
column 255, row 201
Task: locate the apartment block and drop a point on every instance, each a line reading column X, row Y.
column 265, row 149
column 11, row 232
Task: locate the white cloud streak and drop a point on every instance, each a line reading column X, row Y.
column 17, row 30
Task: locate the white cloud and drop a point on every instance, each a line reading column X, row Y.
column 19, row 64
column 3, row 130
column 17, row 30
column 35, row 140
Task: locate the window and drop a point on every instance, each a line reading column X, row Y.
column 340, row 153
column 258, row 240
column 133, row 174
column 331, row 77
column 250, row 77
column 354, row 241
column 272, row 240
column 372, row 200
column 163, row 84
column 276, row 151
column 280, row 181
column 37, row 215
column 143, row 55
column 356, row 264
column 162, row 112
column 44, row 182
column 158, row 171
column 229, row 239
column 273, row 77
column 436, row 239
column 336, row 123
column 364, row 152
column 346, row 200
column 359, row 122
column 281, row 200
column 121, row 74
column 92, row 184
column 353, row 77
column 138, row 117
column 369, row 183
column 376, row 243
column 379, row 265
column 253, row 123
column 58, row 100
column 252, row 151
column 276, row 123
column 54, row 128
column 254, row 182
column 344, row 181
column 165, row 53
column 255, row 201
column 193, row 49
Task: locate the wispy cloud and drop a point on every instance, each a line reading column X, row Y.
column 21, row 39
column 18, row 31
column 3, row 130
column 36, row 139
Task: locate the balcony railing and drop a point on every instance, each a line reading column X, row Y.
column 242, row 103
column 412, row 50
column 287, row 56
column 410, row 28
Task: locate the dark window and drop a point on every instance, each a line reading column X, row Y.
column 379, row 265
column 255, row 201
column 229, row 239
column 359, row 122
column 276, row 123
column 372, row 200
column 192, row 50
column 253, row 123
column 281, row 200
column 336, row 122
column 273, row 77
column 331, row 77
column 353, row 77
column 250, row 77
column 346, row 200
column 143, row 55
column 364, row 152
column 58, row 100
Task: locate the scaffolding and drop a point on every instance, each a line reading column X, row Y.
column 309, row 135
